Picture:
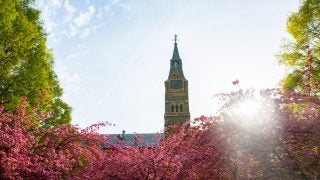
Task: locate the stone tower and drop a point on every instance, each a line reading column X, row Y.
column 176, row 92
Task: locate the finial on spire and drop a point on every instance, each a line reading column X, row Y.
column 175, row 50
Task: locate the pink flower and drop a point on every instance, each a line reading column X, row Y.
column 235, row 82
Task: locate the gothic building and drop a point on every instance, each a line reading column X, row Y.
column 176, row 106
column 176, row 92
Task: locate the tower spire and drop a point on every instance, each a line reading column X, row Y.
column 175, row 55
column 176, row 94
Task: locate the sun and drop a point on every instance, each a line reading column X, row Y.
column 248, row 108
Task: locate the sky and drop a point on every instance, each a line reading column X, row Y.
column 113, row 56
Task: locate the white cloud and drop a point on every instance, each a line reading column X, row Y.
column 85, row 33
column 79, row 26
column 88, row 30
column 107, row 8
column 55, row 3
column 48, row 10
column 70, row 11
column 73, row 31
column 79, row 52
column 84, row 17
column 66, row 76
column 62, row 18
column 65, row 18
column 71, row 81
column 73, row 78
column 49, row 24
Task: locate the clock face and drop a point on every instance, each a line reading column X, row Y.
column 176, row 84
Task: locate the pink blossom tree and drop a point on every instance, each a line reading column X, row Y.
column 189, row 154
column 28, row 151
column 280, row 140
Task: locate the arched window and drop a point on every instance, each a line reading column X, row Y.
column 172, row 108
column 177, row 108
column 181, row 108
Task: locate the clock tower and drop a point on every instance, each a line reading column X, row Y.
column 176, row 92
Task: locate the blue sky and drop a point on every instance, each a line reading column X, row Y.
column 112, row 57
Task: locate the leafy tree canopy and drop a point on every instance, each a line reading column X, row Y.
column 304, row 27
column 26, row 64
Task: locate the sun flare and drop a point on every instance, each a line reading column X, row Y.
column 248, row 108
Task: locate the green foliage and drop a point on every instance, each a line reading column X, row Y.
column 304, row 27
column 26, row 64
column 292, row 81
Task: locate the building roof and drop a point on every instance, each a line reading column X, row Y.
column 141, row 140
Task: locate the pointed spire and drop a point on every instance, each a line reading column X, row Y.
column 175, row 50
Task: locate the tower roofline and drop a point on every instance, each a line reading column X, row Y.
column 175, row 55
